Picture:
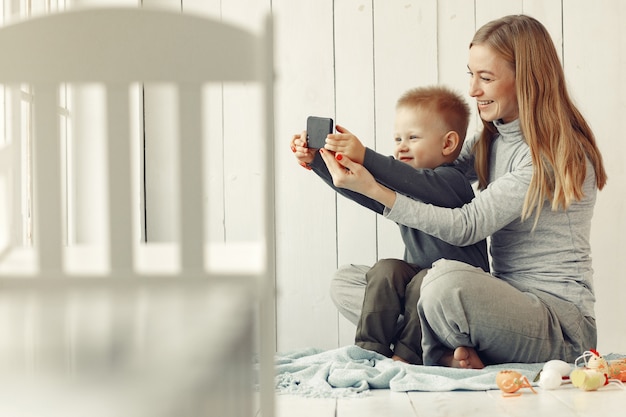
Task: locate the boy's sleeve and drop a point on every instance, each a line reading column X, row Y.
column 465, row 160
column 441, row 187
column 319, row 167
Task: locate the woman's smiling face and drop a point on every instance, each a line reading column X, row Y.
column 492, row 84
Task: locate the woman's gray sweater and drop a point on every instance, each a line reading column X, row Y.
column 555, row 257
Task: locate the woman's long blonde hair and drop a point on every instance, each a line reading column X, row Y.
column 558, row 136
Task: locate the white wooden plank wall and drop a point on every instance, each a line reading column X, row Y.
column 595, row 62
column 350, row 60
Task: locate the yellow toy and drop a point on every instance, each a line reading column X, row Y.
column 597, row 372
column 588, row 379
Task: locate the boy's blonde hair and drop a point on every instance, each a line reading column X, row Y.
column 559, row 138
column 450, row 107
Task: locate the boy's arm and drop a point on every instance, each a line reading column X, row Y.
column 427, row 185
column 319, row 167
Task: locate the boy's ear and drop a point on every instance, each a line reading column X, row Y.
column 451, row 142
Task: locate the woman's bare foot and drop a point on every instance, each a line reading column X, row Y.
column 399, row 359
column 462, row 357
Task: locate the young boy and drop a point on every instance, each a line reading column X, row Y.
column 430, row 125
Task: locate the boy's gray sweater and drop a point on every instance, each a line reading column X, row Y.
column 444, row 186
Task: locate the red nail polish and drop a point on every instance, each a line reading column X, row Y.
column 293, row 149
column 339, row 157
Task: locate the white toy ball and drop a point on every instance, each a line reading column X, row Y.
column 562, row 367
column 550, row 379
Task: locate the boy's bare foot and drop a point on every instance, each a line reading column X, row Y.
column 462, row 357
column 399, row 359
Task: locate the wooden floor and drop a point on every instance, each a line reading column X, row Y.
column 563, row 402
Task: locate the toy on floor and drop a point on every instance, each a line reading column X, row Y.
column 617, row 370
column 594, row 373
column 597, row 372
column 554, row 373
column 588, row 379
column 511, row 381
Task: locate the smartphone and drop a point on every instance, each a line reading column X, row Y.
column 317, row 128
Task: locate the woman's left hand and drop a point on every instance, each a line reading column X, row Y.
column 355, row 177
column 346, row 173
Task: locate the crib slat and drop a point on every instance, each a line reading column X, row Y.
column 118, row 165
column 191, row 178
column 47, row 233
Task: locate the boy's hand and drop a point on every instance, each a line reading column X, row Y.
column 352, row 176
column 347, row 144
column 303, row 154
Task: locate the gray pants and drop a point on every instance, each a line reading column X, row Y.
column 461, row 305
column 347, row 290
column 392, row 291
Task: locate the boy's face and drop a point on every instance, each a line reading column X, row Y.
column 419, row 138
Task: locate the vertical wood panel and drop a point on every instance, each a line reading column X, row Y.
column 161, row 166
column 305, row 212
column 191, row 181
column 487, row 10
column 86, row 138
column 550, row 14
column 405, row 57
column 354, row 68
column 87, row 143
column 213, row 135
column 595, row 40
column 19, row 230
column 48, row 231
column 160, row 127
column 456, row 27
column 119, row 188
column 243, row 124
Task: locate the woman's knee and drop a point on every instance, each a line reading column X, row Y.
column 447, row 277
column 347, row 289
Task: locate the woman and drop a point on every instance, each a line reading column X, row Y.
column 538, row 169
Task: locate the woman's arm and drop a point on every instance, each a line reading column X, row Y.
column 490, row 211
column 319, row 167
column 351, row 176
column 311, row 160
column 425, row 185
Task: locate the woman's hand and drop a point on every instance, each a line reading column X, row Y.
column 355, row 177
column 347, row 144
column 303, row 154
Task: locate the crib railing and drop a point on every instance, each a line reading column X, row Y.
column 118, row 328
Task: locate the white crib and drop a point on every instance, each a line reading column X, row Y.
column 122, row 328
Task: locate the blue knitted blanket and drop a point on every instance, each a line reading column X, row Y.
column 353, row 371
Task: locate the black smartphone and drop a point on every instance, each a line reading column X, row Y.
column 317, row 128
